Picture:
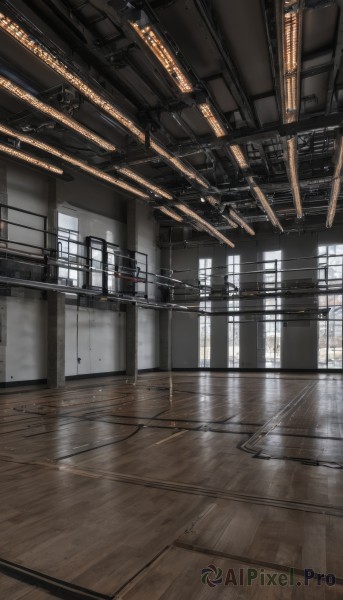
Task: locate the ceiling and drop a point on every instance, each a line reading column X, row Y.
column 231, row 53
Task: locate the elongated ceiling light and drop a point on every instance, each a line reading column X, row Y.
column 212, row 119
column 239, row 156
column 144, row 182
column 55, row 114
column 336, row 185
column 170, row 213
column 242, row 222
column 204, row 224
column 16, row 32
column 261, row 197
column 37, row 162
column 178, row 164
column 165, row 56
column 230, row 221
column 292, row 152
column 291, row 28
column 155, row 43
column 76, row 162
column 213, row 200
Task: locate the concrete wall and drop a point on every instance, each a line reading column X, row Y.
column 148, row 339
column 148, row 320
column 95, row 339
column 299, row 340
column 26, row 349
column 28, row 192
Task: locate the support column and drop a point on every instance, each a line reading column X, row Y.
column 166, row 316
column 132, row 340
column 3, row 299
column 131, row 309
column 56, row 306
column 219, row 325
column 166, row 340
column 56, row 340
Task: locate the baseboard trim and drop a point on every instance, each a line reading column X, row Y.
column 106, row 374
column 35, row 382
column 10, row 384
column 251, row 370
column 94, row 375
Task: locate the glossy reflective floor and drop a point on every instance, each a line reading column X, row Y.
column 116, row 490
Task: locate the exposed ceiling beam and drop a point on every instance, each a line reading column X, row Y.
column 270, row 27
column 336, row 63
column 270, row 132
column 229, row 72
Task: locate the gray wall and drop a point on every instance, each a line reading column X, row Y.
column 95, row 339
column 299, row 340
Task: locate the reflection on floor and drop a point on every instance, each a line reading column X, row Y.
column 114, row 489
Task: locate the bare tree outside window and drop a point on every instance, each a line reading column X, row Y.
column 330, row 272
column 205, row 267
column 272, row 323
column 233, row 265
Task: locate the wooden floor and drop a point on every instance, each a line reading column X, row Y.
column 116, row 490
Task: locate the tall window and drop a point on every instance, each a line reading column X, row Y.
column 330, row 272
column 68, row 250
column 205, row 266
column 272, row 323
column 233, row 265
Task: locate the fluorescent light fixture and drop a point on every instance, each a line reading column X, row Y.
column 164, row 55
column 336, row 185
column 54, row 114
column 267, row 208
column 179, row 165
column 242, row 222
column 170, row 213
column 37, row 162
column 292, row 152
column 264, row 202
column 144, row 182
column 16, row 32
column 208, row 112
column 72, row 160
column 204, row 224
column 291, row 27
column 230, row 221
column 239, row 156
column 213, row 201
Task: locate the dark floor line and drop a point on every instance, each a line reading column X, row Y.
column 136, row 575
column 251, row 445
column 207, row 492
column 57, row 587
column 184, row 488
column 243, row 559
column 139, row 427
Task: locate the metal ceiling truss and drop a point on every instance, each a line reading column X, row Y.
column 105, row 57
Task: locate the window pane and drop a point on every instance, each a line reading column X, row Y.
column 272, row 326
column 205, row 266
column 68, row 251
column 233, row 275
column 330, row 272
